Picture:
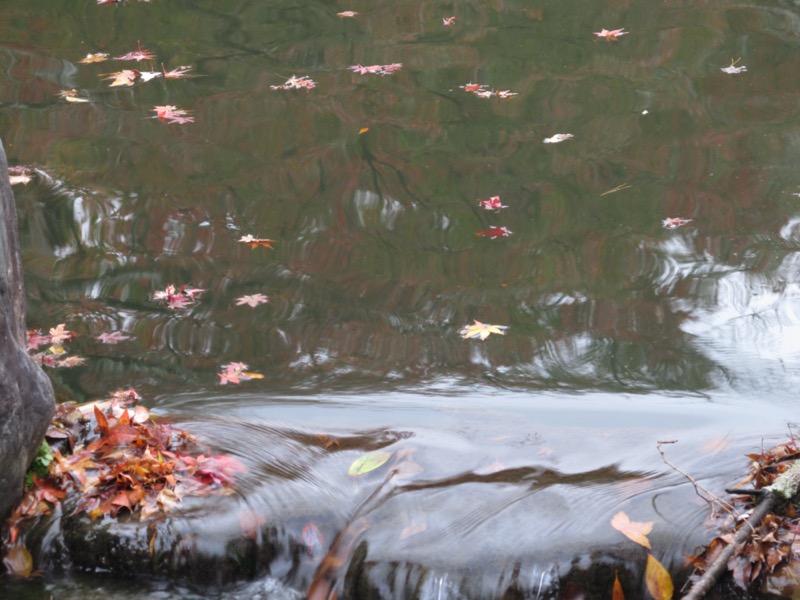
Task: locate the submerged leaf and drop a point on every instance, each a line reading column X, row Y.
column 18, row 561
column 616, row 592
column 659, row 583
column 368, row 462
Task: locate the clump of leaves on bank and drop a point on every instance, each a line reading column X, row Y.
column 110, row 457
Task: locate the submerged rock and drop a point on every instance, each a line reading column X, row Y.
column 26, row 395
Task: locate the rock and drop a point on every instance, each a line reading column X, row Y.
column 26, row 395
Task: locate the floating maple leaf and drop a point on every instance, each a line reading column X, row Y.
column 448, row 21
column 59, row 334
column 483, row 91
column 112, row 338
column 176, row 73
column 492, row 203
column 481, row 330
column 559, row 137
column 633, row 530
column 346, row 14
column 95, row 58
column 252, row 300
column 296, row 83
column 173, row 114
column 255, row 242
column 126, row 77
column 177, row 298
column 733, row 69
column 611, row 36
column 71, row 96
column 235, row 373
column 494, row 232
column 377, row 69
column 138, row 55
column 675, row 222
column 505, row 93
column 473, row 87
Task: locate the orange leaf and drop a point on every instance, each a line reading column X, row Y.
column 634, row 531
column 102, row 422
column 617, row 593
column 659, row 583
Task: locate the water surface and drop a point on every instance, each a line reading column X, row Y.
column 620, row 332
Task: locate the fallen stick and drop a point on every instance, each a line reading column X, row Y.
column 784, row 488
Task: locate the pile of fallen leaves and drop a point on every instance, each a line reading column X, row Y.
column 769, row 557
column 110, row 457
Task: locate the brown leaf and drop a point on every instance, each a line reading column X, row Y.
column 659, row 583
column 18, row 561
column 634, row 531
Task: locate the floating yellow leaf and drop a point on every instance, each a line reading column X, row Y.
column 482, row 330
column 636, row 532
column 95, row 58
column 659, row 583
column 368, row 462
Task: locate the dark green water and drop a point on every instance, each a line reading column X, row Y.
column 377, row 265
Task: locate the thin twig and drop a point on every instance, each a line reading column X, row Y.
column 698, row 487
column 623, row 186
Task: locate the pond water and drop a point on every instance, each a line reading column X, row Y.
column 620, row 332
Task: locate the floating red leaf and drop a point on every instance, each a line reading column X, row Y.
column 494, row 232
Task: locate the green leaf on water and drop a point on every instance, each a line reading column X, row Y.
column 368, row 462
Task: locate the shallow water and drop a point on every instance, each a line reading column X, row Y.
column 620, row 332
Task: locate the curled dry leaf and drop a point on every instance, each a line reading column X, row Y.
column 634, row 531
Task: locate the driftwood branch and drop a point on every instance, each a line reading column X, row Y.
column 785, row 487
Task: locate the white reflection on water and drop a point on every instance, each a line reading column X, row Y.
column 749, row 323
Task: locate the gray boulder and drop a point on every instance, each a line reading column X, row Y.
column 26, row 395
